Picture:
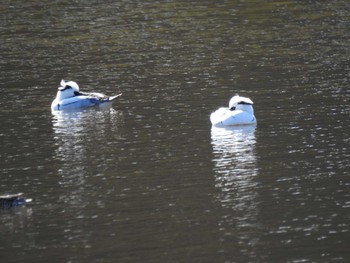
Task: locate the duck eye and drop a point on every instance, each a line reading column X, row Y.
column 232, row 108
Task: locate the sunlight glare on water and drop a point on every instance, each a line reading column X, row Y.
column 149, row 179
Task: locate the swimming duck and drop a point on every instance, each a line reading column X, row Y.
column 69, row 97
column 8, row 201
column 239, row 112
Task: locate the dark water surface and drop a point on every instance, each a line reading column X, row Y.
column 149, row 180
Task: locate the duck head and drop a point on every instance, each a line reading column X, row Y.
column 241, row 103
column 67, row 89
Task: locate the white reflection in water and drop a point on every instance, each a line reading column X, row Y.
column 85, row 141
column 87, row 150
column 235, row 167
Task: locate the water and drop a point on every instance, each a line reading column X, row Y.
column 149, row 179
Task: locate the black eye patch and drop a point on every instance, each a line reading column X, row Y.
column 66, row 87
column 244, row 103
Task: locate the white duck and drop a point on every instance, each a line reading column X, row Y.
column 69, row 97
column 239, row 112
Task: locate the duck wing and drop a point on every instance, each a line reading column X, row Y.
column 97, row 96
column 10, row 196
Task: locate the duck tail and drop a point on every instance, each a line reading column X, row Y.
column 114, row 97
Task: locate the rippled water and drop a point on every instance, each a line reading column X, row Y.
column 149, row 179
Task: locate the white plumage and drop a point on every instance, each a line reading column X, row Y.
column 239, row 112
column 69, row 97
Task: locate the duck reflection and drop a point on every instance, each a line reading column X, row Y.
column 235, row 167
column 85, row 143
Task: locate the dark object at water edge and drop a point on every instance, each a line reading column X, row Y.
column 8, row 201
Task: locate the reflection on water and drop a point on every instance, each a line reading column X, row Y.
column 83, row 139
column 15, row 222
column 235, row 168
column 86, row 144
column 16, row 219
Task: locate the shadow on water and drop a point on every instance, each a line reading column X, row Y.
column 235, row 168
